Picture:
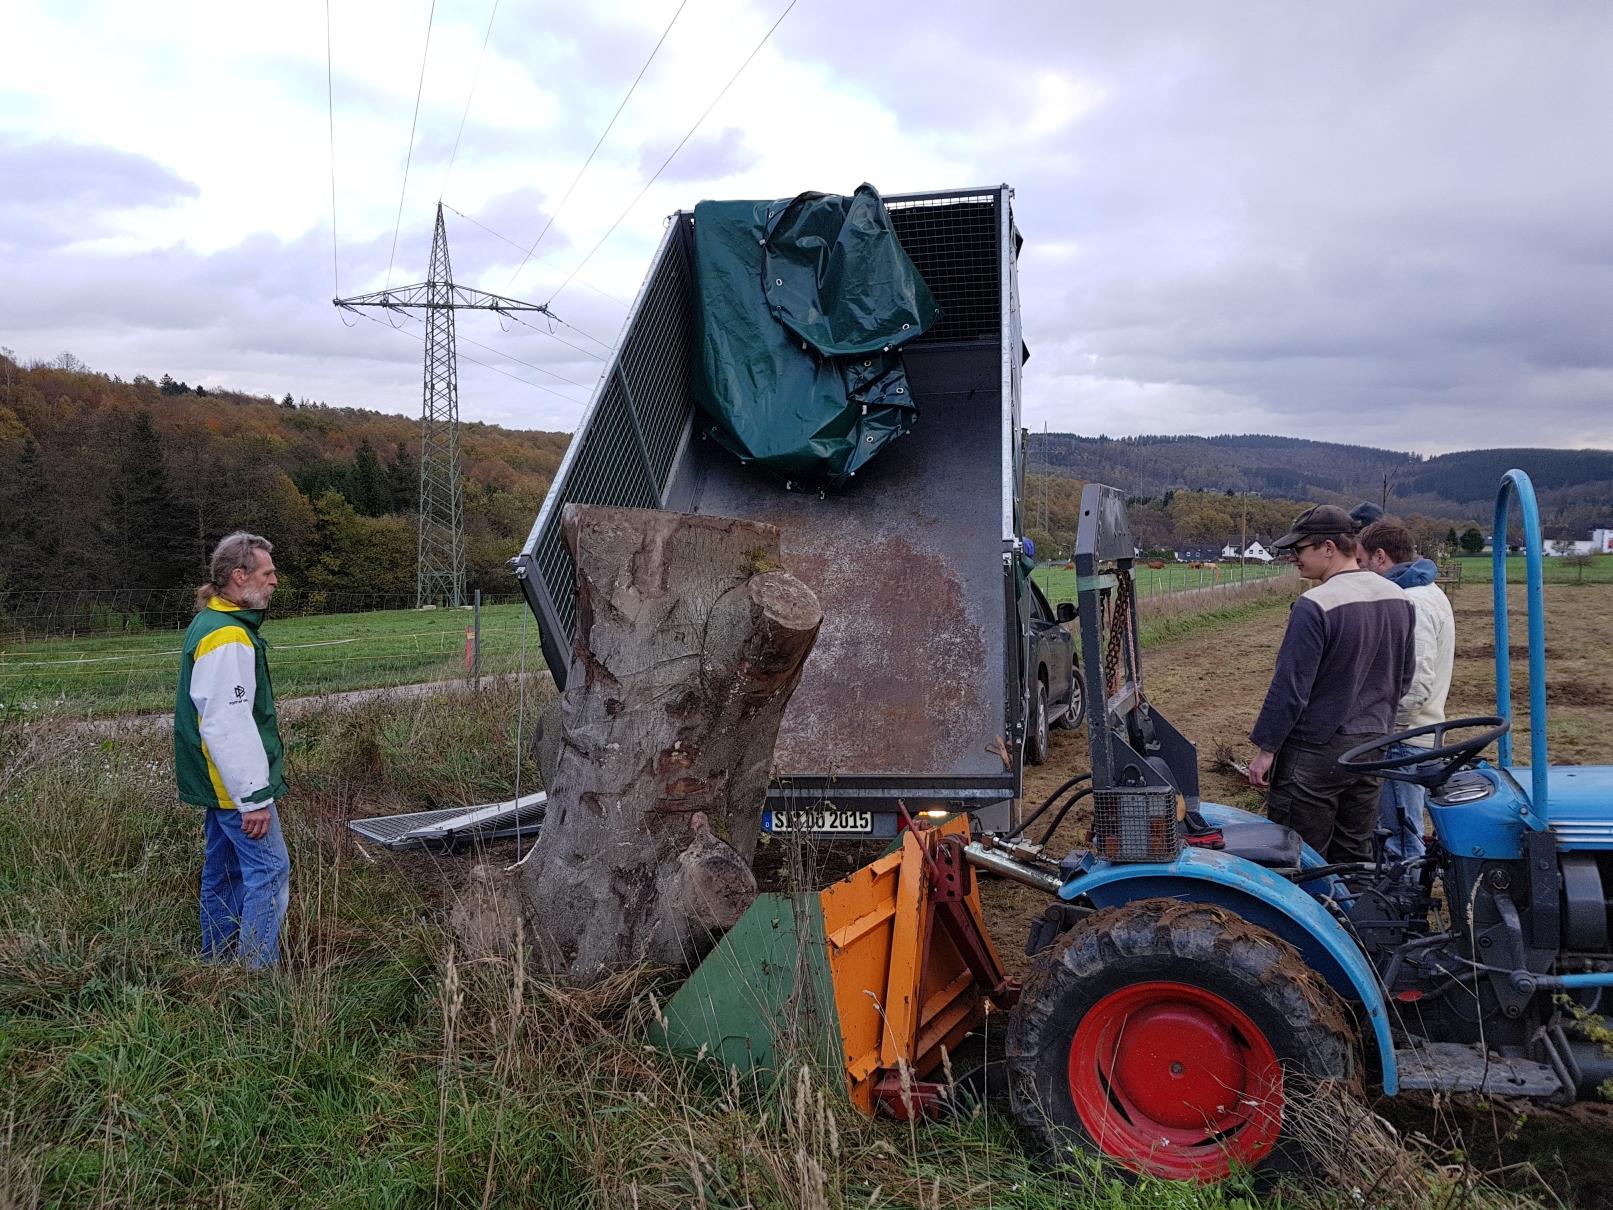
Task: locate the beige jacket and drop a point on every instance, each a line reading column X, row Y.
column 1435, row 641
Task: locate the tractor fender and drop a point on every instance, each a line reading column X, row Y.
column 1261, row 897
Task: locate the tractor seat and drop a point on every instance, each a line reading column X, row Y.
column 1272, row 845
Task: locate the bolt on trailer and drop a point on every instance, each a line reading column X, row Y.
column 918, row 692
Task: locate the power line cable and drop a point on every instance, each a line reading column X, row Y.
column 599, row 143
column 620, row 302
column 675, row 150
column 330, row 112
column 556, row 337
column 483, row 364
column 475, row 76
column 409, row 157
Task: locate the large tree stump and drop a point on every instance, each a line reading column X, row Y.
column 690, row 640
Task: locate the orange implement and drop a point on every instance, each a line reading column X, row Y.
column 885, row 971
column 912, row 966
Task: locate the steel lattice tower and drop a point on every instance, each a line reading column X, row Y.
column 440, row 556
column 440, row 553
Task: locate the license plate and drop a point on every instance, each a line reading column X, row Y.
column 826, row 819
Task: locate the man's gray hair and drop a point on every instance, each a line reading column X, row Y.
column 238, row 550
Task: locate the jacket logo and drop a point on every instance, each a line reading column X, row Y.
column 240, row 691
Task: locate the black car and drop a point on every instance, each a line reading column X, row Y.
column 1057, row 696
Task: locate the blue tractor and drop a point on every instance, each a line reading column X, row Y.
column 1201, row 971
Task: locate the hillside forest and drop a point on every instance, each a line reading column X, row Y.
column 112, row 486
column 108, row 485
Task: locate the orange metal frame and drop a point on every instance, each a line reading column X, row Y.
column 913, row 966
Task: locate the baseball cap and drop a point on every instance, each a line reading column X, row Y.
column 1364, row 514
column 1323, row 521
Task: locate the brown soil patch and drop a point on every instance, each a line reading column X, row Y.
column 1486, row 651
column 1579, row 693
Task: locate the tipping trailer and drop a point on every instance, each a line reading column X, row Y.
column 923, row 679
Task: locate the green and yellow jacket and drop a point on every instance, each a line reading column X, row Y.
column 227, row 750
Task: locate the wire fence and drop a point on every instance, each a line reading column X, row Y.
column 32, row 615
column 1057, row 580
column 102, row 672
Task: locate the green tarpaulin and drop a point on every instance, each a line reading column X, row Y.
column 802, row 307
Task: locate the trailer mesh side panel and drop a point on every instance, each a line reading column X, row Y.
column 952, row 241
column 623, row 463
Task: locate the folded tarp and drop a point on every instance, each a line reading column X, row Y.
column 802, row 307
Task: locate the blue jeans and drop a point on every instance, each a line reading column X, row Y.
column 246, row 888
column 1400, row 809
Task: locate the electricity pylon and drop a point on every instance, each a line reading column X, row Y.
column 440, row 565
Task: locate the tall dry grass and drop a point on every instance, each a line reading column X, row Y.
column 390, row 1063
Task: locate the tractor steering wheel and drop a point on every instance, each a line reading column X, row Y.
column 1427, row 767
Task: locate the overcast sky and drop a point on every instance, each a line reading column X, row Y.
column 1384, row 223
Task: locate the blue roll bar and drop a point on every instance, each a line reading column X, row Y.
column 1515, row 483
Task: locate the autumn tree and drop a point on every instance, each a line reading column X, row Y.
column 403, row 478
column 370, row 492
column 144, row 523
column 28, row 532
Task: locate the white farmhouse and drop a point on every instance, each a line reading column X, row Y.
column 1255, row 552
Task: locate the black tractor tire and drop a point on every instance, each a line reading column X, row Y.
column 1075, row 710
column 1036, row 740
column 1176, row 1039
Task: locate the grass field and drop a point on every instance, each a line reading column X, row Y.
column 135, row 673
column 388, row 1065
column 1058, row 581
column 1596, row 569
column 323, row 654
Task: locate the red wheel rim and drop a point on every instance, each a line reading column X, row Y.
column 1176, row 1081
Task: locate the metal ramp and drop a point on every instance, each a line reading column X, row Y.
column 449, row 826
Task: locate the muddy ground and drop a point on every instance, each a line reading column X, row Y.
column 1211, row 686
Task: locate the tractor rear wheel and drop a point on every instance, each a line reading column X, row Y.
column 1174, row 1038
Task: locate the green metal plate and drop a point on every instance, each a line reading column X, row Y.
column 763, row 994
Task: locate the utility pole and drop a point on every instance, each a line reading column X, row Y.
column 440, row 552
column 1047, row 469
column 1243, row 539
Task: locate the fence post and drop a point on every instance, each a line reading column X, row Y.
column 476, row 621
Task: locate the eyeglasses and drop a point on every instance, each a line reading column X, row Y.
column 1297, row 547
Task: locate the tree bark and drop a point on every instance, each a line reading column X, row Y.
column 690, row 641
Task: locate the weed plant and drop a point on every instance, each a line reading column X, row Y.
column 386, row 1064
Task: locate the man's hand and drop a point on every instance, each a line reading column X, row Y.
column 255, row 824
column 1260, row 769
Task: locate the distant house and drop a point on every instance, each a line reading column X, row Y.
column 1256, row 551
column 1557, row 540
column 1197, row 554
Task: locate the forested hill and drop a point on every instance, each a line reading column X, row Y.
column 1576, row 486
column 106, row 484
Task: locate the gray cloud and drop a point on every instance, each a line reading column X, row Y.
column 1372, row 222
column 55, row 192
column 706, row 158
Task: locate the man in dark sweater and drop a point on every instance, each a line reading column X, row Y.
column 1345, row 662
